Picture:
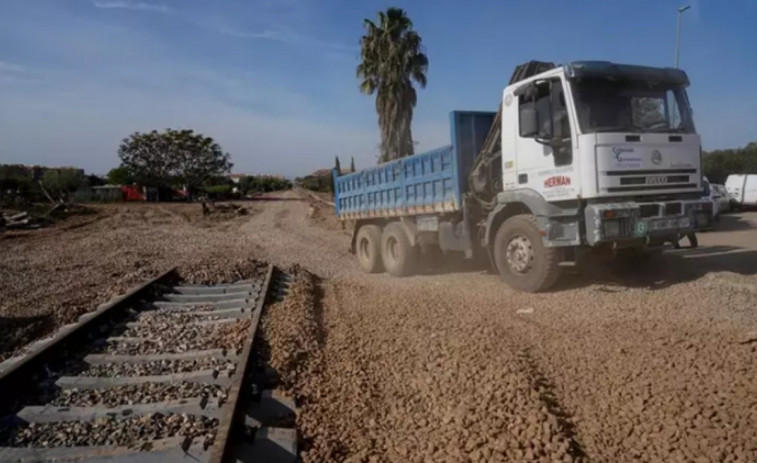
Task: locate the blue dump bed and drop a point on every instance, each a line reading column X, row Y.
column 423, row 183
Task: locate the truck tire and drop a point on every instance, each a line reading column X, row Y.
column 399, row 256
column 368, row 248
column 523, row 262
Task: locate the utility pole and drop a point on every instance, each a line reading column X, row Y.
column 678, row 32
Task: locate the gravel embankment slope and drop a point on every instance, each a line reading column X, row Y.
column 49, row 277
column 610, row 367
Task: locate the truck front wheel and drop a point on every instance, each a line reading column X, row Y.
column 399, row 256
column 523, row 262
column 368, row 248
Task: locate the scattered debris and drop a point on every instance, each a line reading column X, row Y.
column 20, row 220
column 223, row 209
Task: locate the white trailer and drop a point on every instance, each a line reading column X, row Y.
column 743, row 189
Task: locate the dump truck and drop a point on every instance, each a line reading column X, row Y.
column 585, row 160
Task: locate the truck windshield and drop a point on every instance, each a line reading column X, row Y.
column 617, row 105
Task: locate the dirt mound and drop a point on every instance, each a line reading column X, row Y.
column 221, row 269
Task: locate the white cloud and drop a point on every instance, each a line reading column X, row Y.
column 241, row 34
column 129, row 5
column 10, row 67
column 285, row 37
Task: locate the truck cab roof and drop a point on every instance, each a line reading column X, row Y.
column 579, row 69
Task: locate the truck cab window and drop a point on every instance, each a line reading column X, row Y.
column 560, row 114
column 537, row 98
column 548, row 99
column 552, row 120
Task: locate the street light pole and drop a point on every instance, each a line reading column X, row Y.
column 678, row 31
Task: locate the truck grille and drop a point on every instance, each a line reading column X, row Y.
column 617, row 173
column 664, row 186
column 649, row 210
column 648, row 180
column 643, row 180
column 672, row 208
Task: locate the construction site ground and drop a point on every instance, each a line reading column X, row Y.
column 450, row 365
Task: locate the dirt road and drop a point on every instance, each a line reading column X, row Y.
column 454, row 366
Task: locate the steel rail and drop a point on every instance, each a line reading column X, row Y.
column 17, row 378
column 221, row 445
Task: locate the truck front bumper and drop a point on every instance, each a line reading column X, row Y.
column 652, row 223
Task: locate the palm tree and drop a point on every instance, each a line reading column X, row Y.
column 392, row 58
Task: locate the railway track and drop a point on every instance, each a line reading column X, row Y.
column 167, row 372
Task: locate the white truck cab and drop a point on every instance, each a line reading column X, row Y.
column 618, row 140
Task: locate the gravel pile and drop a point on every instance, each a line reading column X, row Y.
column 136, row 394
column 160, row 367
column 405, row 394
column 127, row 432
column 231, row 336
column 221, row 270
column 290, row 331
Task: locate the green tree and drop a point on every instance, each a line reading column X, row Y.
column 391, row 59
column 59, row 182
column 337, row 165
column 173, row 157
column 120, row 176
column 717, row 165
column 16, row 181
column 352, row 164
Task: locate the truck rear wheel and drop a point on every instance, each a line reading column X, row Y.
column 368, row 248
column 399, row 256
column 523, row 262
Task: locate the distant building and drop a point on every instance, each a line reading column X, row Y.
column 235, row 177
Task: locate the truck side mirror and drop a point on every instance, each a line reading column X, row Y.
column 528, row 121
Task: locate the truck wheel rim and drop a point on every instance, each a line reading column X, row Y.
column 393, row 248
column 363, row 249
column 519, row 254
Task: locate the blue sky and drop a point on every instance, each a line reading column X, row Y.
column 274, row 80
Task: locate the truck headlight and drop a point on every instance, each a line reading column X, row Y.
column 612, row 228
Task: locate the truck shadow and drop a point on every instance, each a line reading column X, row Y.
column 670, row 268
column 731, row 222
column 442, row 265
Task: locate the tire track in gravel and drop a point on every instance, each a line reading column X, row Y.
column 393, row 385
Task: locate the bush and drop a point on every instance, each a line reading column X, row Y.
column 321, row 183
column 719, row 164
column 263, row 184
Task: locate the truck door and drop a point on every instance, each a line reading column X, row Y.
column 544, row 150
